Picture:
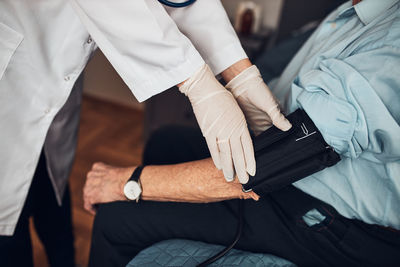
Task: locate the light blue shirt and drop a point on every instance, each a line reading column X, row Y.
column 347, row 78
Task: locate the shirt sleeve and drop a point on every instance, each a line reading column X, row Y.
column 354, row 102
column 207, row 25
column 141, row 41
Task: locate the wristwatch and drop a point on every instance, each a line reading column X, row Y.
column 133, row 188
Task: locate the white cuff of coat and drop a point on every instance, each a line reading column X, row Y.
column 225, row 57
column 165, row 79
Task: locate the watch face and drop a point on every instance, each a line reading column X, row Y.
column 132, row 190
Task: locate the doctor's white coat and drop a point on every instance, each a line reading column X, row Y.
column 45, row 45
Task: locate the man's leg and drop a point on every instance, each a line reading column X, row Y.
column 148, row 222
column 53, row 223
column 273, row 225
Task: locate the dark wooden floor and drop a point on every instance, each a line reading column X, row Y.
column 108, row 133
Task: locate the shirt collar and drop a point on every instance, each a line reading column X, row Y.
column 368, row 10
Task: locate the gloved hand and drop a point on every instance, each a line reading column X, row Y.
column 257, row 101
column 222, row 123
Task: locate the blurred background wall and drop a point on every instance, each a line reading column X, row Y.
column 271, row 10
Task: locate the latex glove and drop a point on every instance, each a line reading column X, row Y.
column 223, row 125
column 257, row 101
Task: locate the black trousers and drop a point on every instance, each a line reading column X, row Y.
column 274, row 224
column 52, row 223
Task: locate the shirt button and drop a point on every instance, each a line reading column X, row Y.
column 89, row 40
column 67, row 78
column 333, row 25
column 47, row 111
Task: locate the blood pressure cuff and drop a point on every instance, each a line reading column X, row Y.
column 283, row 158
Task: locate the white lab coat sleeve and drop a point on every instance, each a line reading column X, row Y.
column 141, row 41
column 207, row 25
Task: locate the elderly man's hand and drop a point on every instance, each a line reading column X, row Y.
column 104, row 183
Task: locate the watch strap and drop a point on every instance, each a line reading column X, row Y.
column 136, row 174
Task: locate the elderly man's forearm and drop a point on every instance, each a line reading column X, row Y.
column 197, row 181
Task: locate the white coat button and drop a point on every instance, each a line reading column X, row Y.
column 67, row 78
column 89, row 40
column 47, row 111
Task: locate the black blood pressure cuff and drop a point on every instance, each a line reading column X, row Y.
column 283, row 158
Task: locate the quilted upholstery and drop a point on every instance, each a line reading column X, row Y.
column 178, row 252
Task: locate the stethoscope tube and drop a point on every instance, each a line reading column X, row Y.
column 176, row 5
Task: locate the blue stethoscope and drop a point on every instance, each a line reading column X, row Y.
column 173, row 4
